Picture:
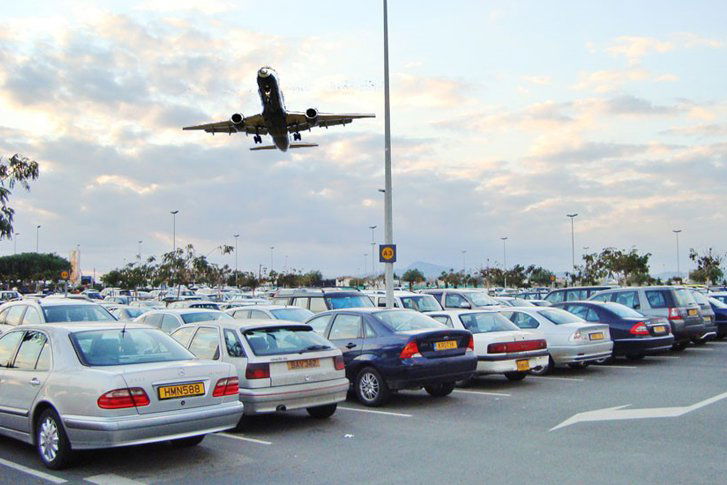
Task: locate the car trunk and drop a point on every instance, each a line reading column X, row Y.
column 593, row 333
column 440, row 343
column 302, row 368
column 175, row 385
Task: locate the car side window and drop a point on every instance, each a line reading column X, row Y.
column 301, row 302
column 444, row 319
column 206, row 344
column 437, row 295
column 241, row 314
column 31, row 317
column 523, row 320
column 577, row 310
column 628, row 298
column 382, row 302
column 29, row 351
column 656, row 298
column 233, row 344
column 44, row 359
column 453, row 300
column 259, row 314
column 169, row 323
column 155, row 320
column 8, row 343
column 319, row 324
column 317, row 305
column 369, row 331
column 555, row 297
column 183, row 335
column 15, row 315
column 346, row 327
column 3, row 315
column 605, row 297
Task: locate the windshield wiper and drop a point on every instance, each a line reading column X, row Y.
column 313, row 348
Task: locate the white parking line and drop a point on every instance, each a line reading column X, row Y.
column 484, row 393
column 243, row 438
column 617, row 367
column 388, row 413
column 111, row 479
column 574, row 379
column 701, row 349
column 713, row 342
column 30, row 471
column 664, row 357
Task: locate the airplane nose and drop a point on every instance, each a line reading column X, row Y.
column 264, row 72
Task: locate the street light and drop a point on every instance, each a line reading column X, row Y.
column 138, row 252
column 366, row 259
column 15, row 242
column 388, row 213
column 373, row 250
column 271, row 258
column 504, row 260
column 236, row 236
column 676, row 233
column 572, row 241
column 464, row 266
column 37, row 232
column 174, row 229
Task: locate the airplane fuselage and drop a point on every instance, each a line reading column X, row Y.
column 273, row 103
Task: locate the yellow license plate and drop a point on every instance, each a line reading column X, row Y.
column 304, row 364
column 660, row 329
column 449, row 344
column 523, row 365
column 181, row 390
column 596, row 336
column 692, row 312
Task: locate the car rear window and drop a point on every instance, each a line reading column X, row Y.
column 292, row 314
column 403, row 321
column 422, row 303
column 622, row 310
column 657, row 298
column 700, row 298
column 208, row 306
column 77, row 313
column 683, row 298
column 205, row 317
column 716, row 302
column 486, row 322
column 284, row 340
column 560, row 317
column 348, row 301
column 126, row 346
column 480, row 298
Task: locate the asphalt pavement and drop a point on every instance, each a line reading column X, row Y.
column 659, row 420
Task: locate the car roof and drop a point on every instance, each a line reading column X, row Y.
column 247, row 324
column 265, row 307
column 56, row 301
column 184, row 311
column 372, row 309
column 464, row 310
column 82, row 326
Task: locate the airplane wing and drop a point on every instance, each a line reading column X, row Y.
column 298, row 121
column 252, row 125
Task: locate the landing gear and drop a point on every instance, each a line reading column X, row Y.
column 257, row 139
column 296, row 137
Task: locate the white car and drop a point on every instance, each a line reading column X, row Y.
column 406, row 299
column 169, row 320
column 571, row 340
column 281, row 365
column 271, row 312
column 501, row 347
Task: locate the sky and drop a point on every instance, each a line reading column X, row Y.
column 505, row 116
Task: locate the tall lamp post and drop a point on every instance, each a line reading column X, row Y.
column 138, row 250
column 272, row 248
column 464, row 261
column 37, row 236
column 388, row 214
column 15, row 242
column 174, row 229
column 373, row 251
column 676, row 233
column 504, row 260
column 572, row 241
column 236, row 236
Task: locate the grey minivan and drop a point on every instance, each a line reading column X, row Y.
column 674, row 303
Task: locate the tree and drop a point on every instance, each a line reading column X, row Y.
column 709, row 268
column 18, row 170
column 412, row 277
column 539, row 276
column 27, row 268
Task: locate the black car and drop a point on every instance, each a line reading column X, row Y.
column 387, row 350
column 633, row 334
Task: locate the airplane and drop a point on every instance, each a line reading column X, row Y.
column 275, row 120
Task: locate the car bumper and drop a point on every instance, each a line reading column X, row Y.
column 90, row 432
column 688, row 331
column 569, row 354
column 299, row 396
column 421, row 371
column 499, row 364
column 642, row 346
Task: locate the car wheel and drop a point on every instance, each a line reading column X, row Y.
column 322, row 412
column 371, row 389
column 440, row 390
column 635, row 356
column 541, row 371
column 52, row 442
column 606, row 361
column 187, row 442
column 515, row 376
column 679, row 346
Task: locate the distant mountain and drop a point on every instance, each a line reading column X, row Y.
column 429, row 270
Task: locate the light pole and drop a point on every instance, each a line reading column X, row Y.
column 388, row 214
column 464, row 265
column 373, row 251
column 236, row 236
column 78, row 262
column 37, row 236
column 15, row 242
column 676, row 233
column 572, row 241
column 174, row 229
column 271, row 258
column 504, row 260
column 366, row 259
column 138, row 251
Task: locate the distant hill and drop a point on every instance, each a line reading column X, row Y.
column 429, row 270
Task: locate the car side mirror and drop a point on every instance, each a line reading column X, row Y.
column 464, row 304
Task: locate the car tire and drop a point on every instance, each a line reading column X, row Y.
column 440, row 390
column 635, row 356
column 544, row 370
column 606, row 361
column 187, row 442
column 52, row 442
column 515, row 376
column 679, row 346
column 371, row 389
column 322, row 412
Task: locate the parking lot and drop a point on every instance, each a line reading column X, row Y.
column 494, row 431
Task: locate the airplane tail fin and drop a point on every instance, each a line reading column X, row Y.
column 292, row 145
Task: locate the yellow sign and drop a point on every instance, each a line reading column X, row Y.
column 387, row 253
column 64, row 275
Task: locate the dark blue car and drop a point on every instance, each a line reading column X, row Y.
column 633, row 334
column 387, row 350
column 720, row 316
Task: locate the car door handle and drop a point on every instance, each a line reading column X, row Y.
column 35, row 381
column 350, row 345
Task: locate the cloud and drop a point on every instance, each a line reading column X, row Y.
column 697, row 131
column 635, row 48
column 605, row 81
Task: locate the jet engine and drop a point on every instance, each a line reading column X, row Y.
column 237, row 119
column 311, row 116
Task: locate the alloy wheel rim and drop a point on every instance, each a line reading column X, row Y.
column 49, row 439
column 369, row 386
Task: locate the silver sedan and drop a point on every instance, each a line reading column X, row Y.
column 67, row 387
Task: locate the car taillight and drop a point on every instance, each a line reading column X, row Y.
column 674, row 314
column 257, row 371
column 411, row 349
column 338, row 362
column 522, row 346
column 228, row 386
column 639, row 328
column 471, row 344
column 123, row 398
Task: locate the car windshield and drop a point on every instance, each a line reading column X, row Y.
column 480, row 298
column 700, row 298
column 486, row 322
column 521, row 302
column 422, row 303
column 208, row 306
column 683, row 298
column 560, row 317
column 285, row 340
column 622, row 310
column 135, row 312
column 403, row 321
column 292, row 314
column 205, row 317
column 348, row 301
column 77, row 313
column 716, row 302
column 126, row 346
